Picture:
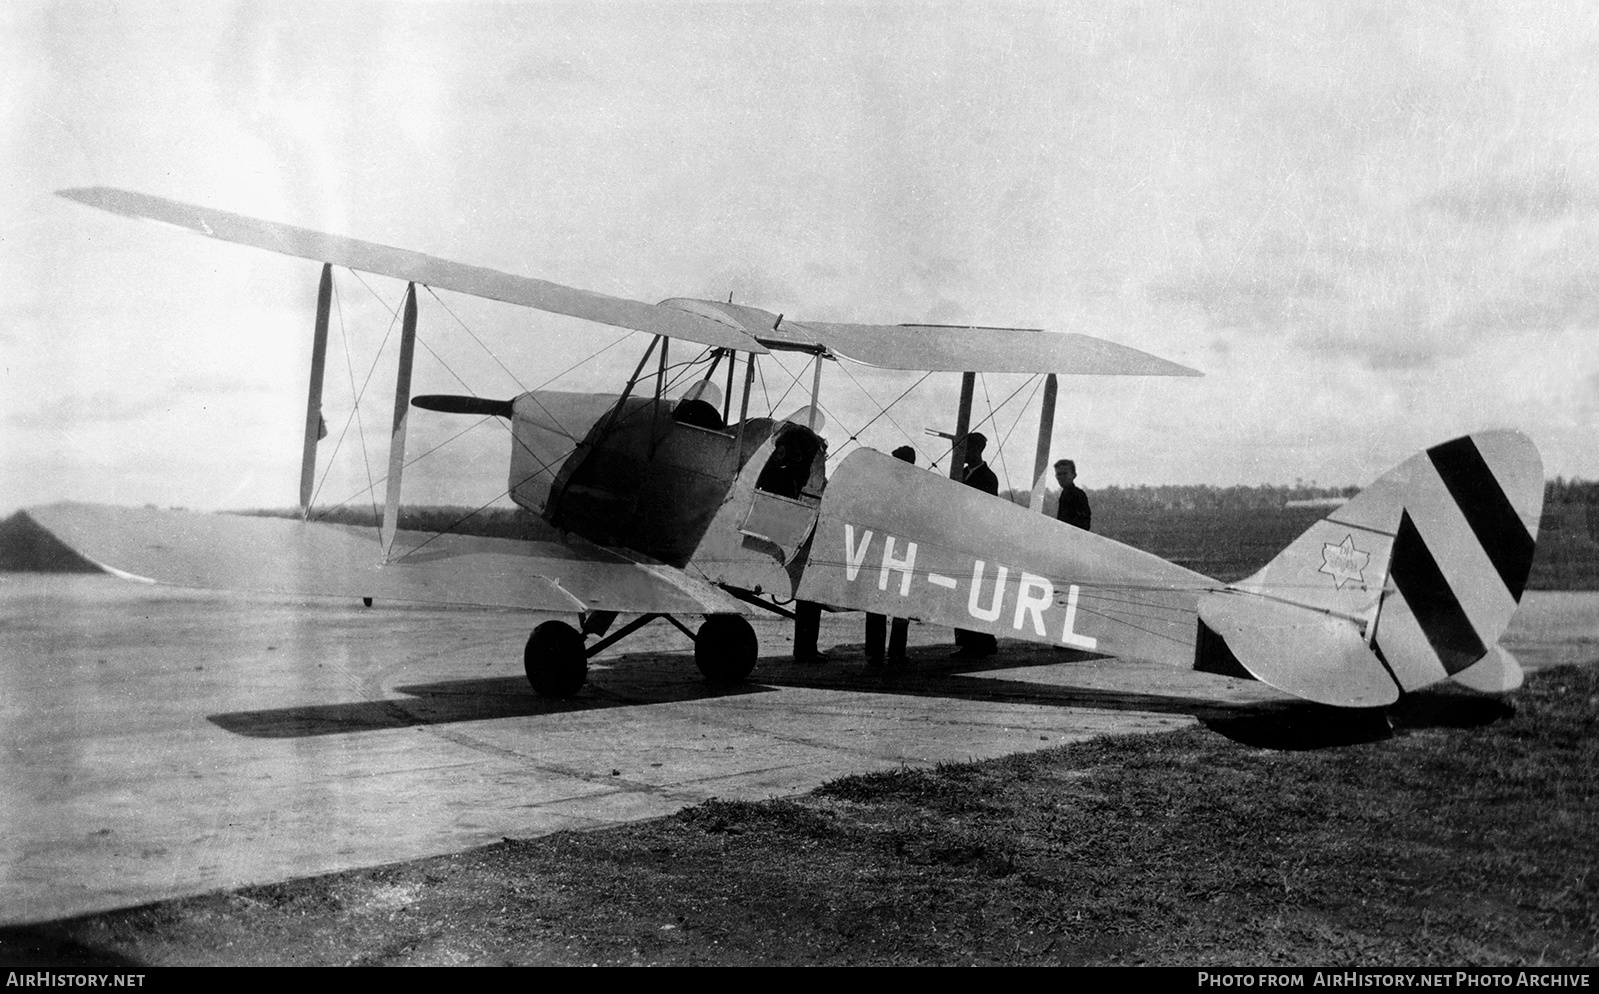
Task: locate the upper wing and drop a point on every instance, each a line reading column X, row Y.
column 370, row 257
column 288, row 556
column 989, row 350
column 941, row 348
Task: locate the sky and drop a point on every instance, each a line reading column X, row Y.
column 1373, row 226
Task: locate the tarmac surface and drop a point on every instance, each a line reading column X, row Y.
column 163, row 742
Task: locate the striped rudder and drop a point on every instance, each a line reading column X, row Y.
column 1461, row 556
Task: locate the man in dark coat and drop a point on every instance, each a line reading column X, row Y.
column 977, row 474
column 977, row 645
column 1073, row 502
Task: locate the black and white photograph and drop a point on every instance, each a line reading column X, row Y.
column 807, row 483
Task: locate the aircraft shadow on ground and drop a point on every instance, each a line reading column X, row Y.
column 53, row 945
column 1286, row 725
column 450, row 701
column 631, row 681
column 935, row 674
column 1301, row 725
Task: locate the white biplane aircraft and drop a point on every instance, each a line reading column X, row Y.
column 662, row 508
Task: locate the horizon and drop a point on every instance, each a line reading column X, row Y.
column 1291, row 491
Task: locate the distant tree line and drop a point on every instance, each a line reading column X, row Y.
column 1192, row 497
column 1203, row 497
column 1563, row 491
column 1570, row 513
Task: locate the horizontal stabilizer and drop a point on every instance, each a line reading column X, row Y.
column 416, row 267
column 1307, row 653
column 1495, row 673
column 293, row 557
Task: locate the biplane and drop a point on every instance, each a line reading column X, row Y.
column 662, row 503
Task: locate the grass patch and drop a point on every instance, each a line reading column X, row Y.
column 1469, row 836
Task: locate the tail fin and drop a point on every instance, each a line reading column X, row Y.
column 1427, row 564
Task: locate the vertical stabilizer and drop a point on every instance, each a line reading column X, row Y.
column 1428, row 564
column 1460, row 561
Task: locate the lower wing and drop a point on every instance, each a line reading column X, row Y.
column 288, row 556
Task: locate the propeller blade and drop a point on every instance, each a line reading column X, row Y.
column 456, row 404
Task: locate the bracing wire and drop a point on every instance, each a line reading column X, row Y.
column 681, row 369
column 479, row 510
column 993, row 411
column 615, row 342
column 1016, row 421
column 394, row 313
column 547, row 413
column 883, row 411
column 765, row 394
column 999, row 450
column 792, row 376
column 487, row 351
column 372, row 486
column 355, row 413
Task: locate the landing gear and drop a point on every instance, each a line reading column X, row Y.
column 725, row 648
column 556, row 658
column 556, row 661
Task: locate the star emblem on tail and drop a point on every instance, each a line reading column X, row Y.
column 1343, row 562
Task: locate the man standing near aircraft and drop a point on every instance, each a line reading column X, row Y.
column 977, row 645
column 977, row 473
column 876, row 624
column 1073, row 507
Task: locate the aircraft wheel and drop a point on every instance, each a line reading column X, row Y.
column 555, row 660
column 725, row 648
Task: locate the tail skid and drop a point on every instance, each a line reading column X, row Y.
column 1411, row 582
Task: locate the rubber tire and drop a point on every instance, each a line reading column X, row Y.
column 555, row 660
column 725, row 649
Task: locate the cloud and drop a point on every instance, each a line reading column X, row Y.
column 747, row 284
column 543, row 68
column 217, row 383
column 77, row 409
column 1381, row 343
column 1496, row 201
column 1552, row 303
column 1263, row 300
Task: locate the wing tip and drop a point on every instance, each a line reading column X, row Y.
column 1173, row 369
column 83, row 194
